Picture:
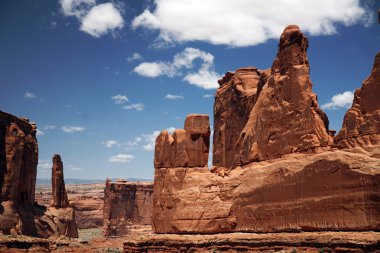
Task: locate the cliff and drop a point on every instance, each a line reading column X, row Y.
column 125, row 204
column 18, row 167
column 276, row 168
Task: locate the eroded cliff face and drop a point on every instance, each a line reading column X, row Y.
column 18, row 159
column 18, row 168
column 261, row 115
column 275, row 168
column 188, row 147
column 125, row 204
column 361, row 124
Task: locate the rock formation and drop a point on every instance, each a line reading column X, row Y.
column 274, row 169
column 18, row 168
column 188, row 147
column 361, row 124
column 125, row 204
column 261, row 115
column 58, row 184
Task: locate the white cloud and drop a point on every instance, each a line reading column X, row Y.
column 120, row 99
column 76, row 8
column 205, row 77
column 121, row 158
column 49, row 127
column 96, row 20
column 102, row 19
column 40, row 133
column 110, row 143
column 246, row 23
column 173, row 97
column 30, row 95
column 75, row 169
column 137, row 107
column 72, row 129
column 44, row 164
column 152, row 69
column 207, row 96
column 150, row 139
column 134, row 57
column 341, row 100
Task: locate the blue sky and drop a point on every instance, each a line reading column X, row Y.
column 101, row 78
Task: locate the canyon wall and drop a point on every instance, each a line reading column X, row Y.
column 18, row 168
column 125, row 204
column 276, row 166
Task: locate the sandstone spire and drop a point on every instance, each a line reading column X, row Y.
column 285, row 117
column 58, row 184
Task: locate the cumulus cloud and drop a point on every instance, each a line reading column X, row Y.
column 77, row 8
column 121, row 158
column 205, row 77
column 246, row 23
column 101, row 19
column 30, row 95
column 96, row 20
column 119, row 99
column 110, row 143
column 74, row 168
column 207, row 96
column 173, row 97
column 341, row 100
column 137, row 107
column 72, row 129
column 134, row 57
column 150, row 139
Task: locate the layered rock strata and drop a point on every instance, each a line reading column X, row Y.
column 361, row 124
column 188, row 147
column 18, row 168
column 58, row 184
column 126, row 204
column 280, row 173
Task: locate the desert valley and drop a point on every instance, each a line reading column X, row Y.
column 281, row 180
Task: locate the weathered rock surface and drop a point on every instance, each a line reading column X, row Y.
column 86, row 198
column 126, row 204
column 18, row 159
column 311, row 242
column 335, row 190
column 361, row 125
column 233, row 103
column 261, row 115
column 188, row 147
column 19, row 214
column 58, row 184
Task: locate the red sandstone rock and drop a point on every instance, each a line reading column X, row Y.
column 361, row 124
column 126, row 204
column 285, row 117
column 233, row 103
column 335, row 190
column 58, row 184
column 187, row 147
column 18, row 162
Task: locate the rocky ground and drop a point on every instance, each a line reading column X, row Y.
column 87, row 199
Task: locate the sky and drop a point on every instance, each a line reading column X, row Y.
column 102, row 78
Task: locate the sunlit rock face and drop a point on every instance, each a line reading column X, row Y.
column 18, row 169
column 276, row 167
column 361, row 124
column 126, row 204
